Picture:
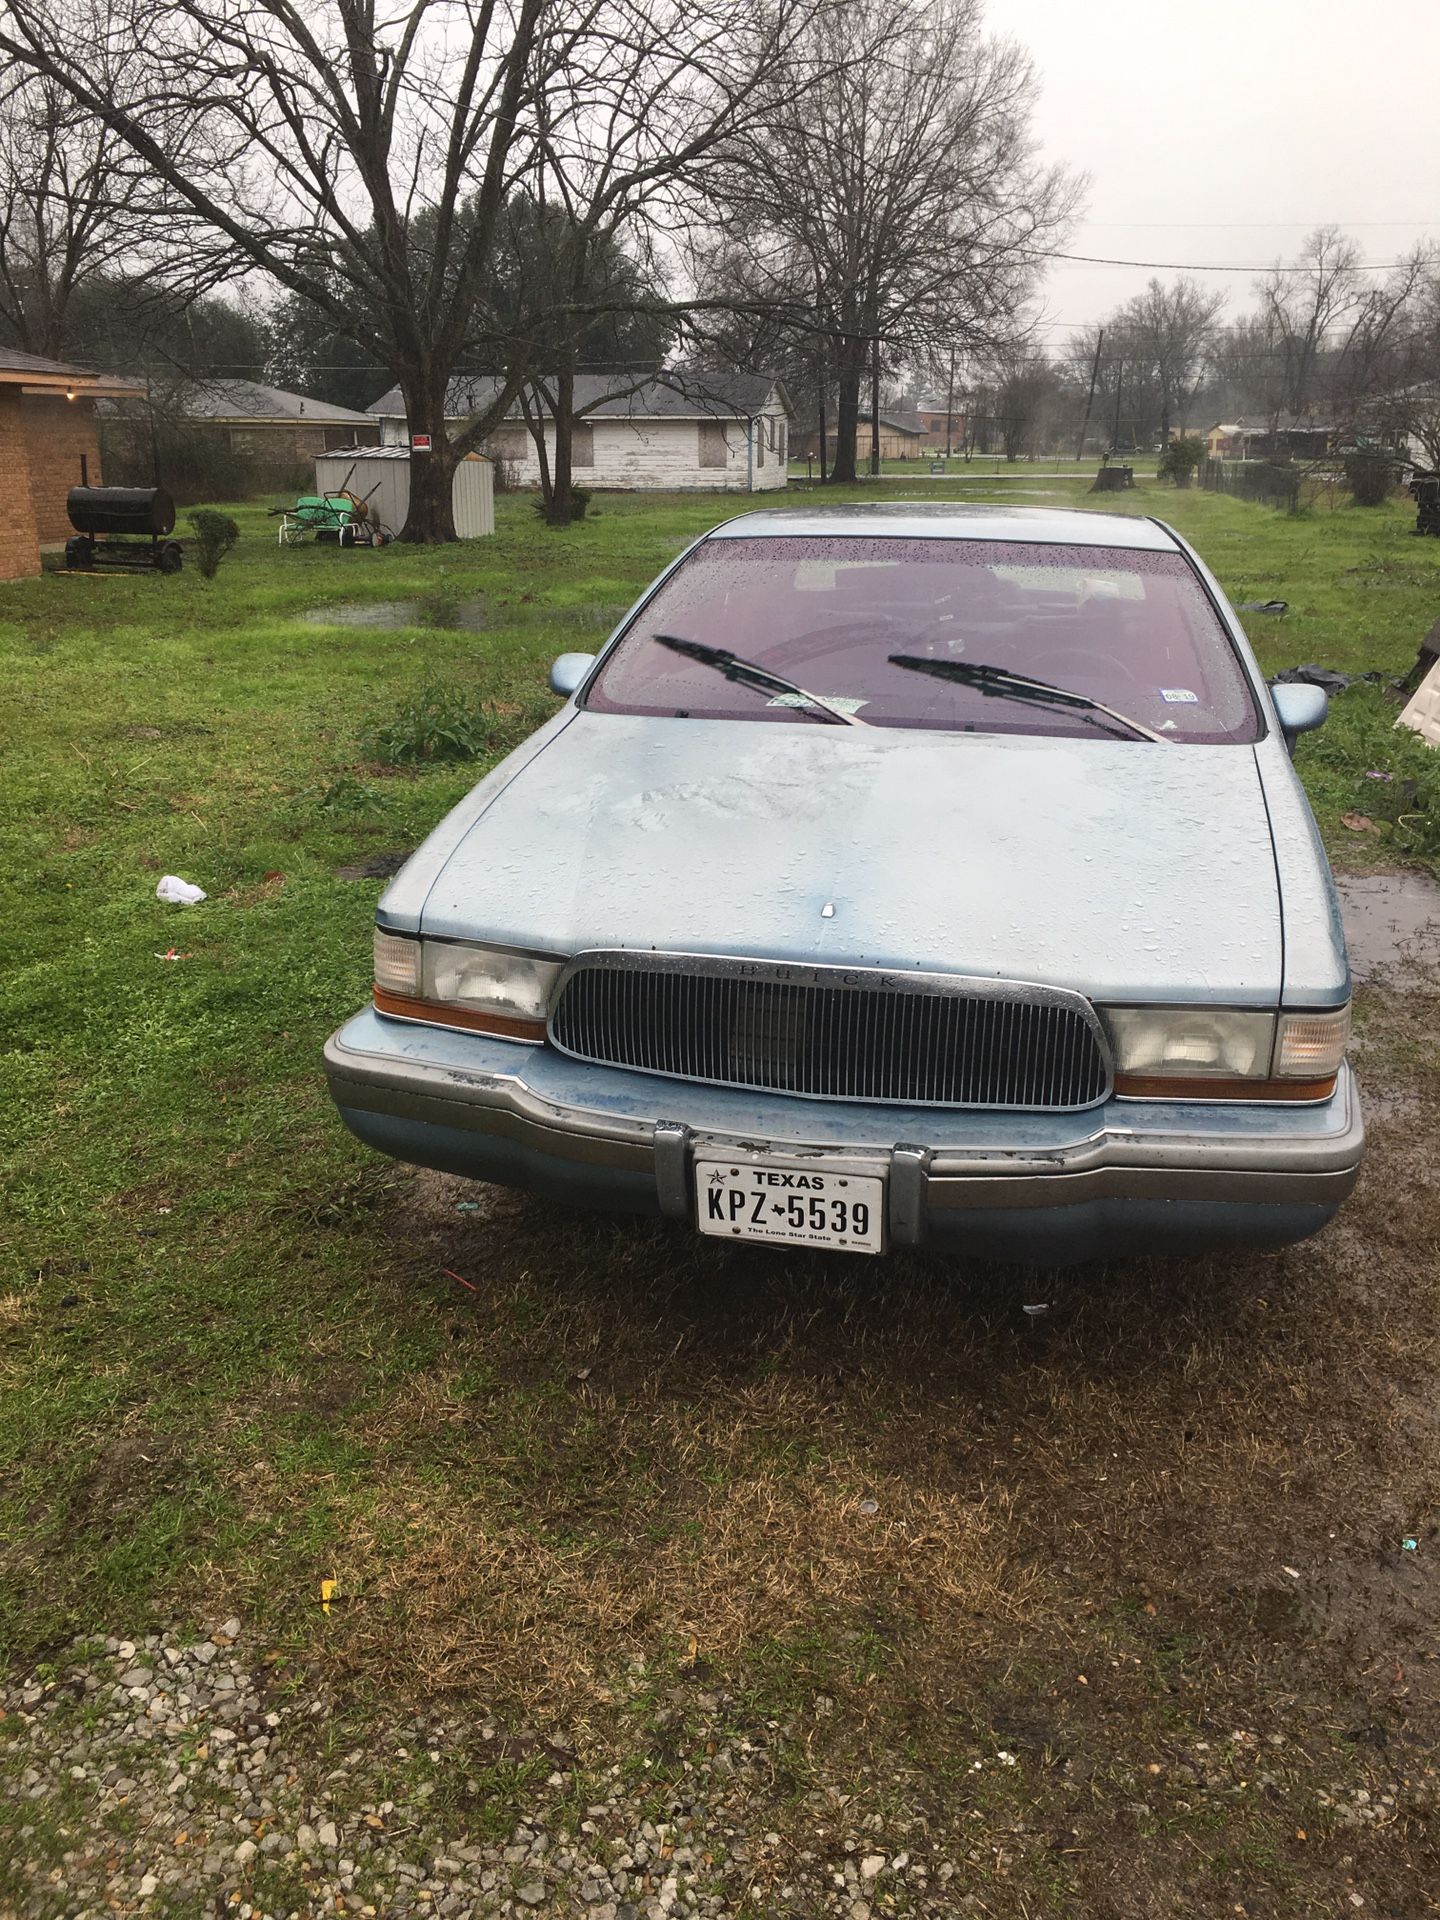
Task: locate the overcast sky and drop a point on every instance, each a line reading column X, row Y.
column 1225, row 130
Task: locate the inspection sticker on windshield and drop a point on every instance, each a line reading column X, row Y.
column 794, row 1206
column 1179, row 696
column 846, row 702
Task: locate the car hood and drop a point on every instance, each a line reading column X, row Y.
column 1126, row 870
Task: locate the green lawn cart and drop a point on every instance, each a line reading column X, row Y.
column 329, row 519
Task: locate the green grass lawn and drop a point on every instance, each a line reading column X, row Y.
column 231, row 1364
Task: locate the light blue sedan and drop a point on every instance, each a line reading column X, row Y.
column 897, row 876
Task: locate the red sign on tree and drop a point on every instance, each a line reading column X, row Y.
column 420, row 443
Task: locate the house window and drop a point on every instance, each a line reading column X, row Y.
column 509, row 443
column 713, row 449
column 582, row 444
column 781, row 436
column 758, row 429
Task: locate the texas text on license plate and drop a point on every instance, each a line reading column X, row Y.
column 770, row 1200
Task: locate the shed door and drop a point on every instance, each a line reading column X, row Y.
column 713, row 450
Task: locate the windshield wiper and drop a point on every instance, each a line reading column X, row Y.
column 748, row 674
column 1001, row 682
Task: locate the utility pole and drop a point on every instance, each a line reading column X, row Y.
column 1090, row 397
column 1119, row 389
column 950, row 407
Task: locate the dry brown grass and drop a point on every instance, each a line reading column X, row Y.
column 673, row 1441
column 633, row 1451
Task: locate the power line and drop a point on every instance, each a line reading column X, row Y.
column 1194, row 266
column 1166, row 226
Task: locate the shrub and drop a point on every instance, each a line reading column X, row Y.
column 195, row 463
column 440, row 723
column 1370, row 476
column 1180, row 459
column 549, row 511
column 215, row 534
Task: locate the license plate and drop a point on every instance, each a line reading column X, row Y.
column 794, row 1206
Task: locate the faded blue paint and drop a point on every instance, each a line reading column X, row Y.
column 1128, row 871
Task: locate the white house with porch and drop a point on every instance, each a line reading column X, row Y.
column 676, row 431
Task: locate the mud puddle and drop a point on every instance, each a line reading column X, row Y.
column 1392, row 923
column 469, row 616
column 460, row 616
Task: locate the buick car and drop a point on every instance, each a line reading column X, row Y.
column 895, row 876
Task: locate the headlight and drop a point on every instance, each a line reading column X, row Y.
column 460, row 984
column 1206, row 1053
column 1194, row 1041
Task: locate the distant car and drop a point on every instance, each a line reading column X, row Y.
column 897, row 876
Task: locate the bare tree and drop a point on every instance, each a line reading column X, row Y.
column 1303, row 309
column 899, row 200
column 1022, row 386
column 1169, row 330
column 1247, row 368
column 1385, row 348
column 66, row 194
column 629, row 133
column 360, row 159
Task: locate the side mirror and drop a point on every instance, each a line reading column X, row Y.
column 569, row 670
column 1299, row 708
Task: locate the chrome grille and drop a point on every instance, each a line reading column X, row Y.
column 834, row 1033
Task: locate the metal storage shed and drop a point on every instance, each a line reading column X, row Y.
column 380, row 476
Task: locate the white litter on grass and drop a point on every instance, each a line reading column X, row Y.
column 179, row 893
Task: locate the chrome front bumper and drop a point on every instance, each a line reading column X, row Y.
column 403, row 1087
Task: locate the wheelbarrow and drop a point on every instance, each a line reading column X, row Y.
column 329, row 519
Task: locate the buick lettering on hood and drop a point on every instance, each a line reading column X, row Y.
column 897, row 876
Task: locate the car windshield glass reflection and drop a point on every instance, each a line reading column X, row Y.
column 1132, row 631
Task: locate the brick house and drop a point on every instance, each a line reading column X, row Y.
column 47, row 443
column 269, row 423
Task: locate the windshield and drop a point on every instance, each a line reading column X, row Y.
column 1132, row 629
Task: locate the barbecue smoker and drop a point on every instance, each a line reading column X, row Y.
column 143, row 517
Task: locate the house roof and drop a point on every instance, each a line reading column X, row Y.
column 249, row 401
column 673, row 395
column 381, row 453
column 1286, row 423
column 903, row 422
column 34, row 370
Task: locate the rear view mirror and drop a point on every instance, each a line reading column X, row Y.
column 1300, row 708
column 569, row 670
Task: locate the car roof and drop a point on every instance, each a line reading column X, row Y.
column 918, row 520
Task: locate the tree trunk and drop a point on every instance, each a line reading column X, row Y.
column 560, row 501
column 847, row 412
column 430, row 520
column 532, row 405
column 824, row 427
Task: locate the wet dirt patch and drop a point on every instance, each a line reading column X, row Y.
column 128, row 1474
column 1392, row 922
column 471, row 615
column 380, row 866
column 468, row 616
